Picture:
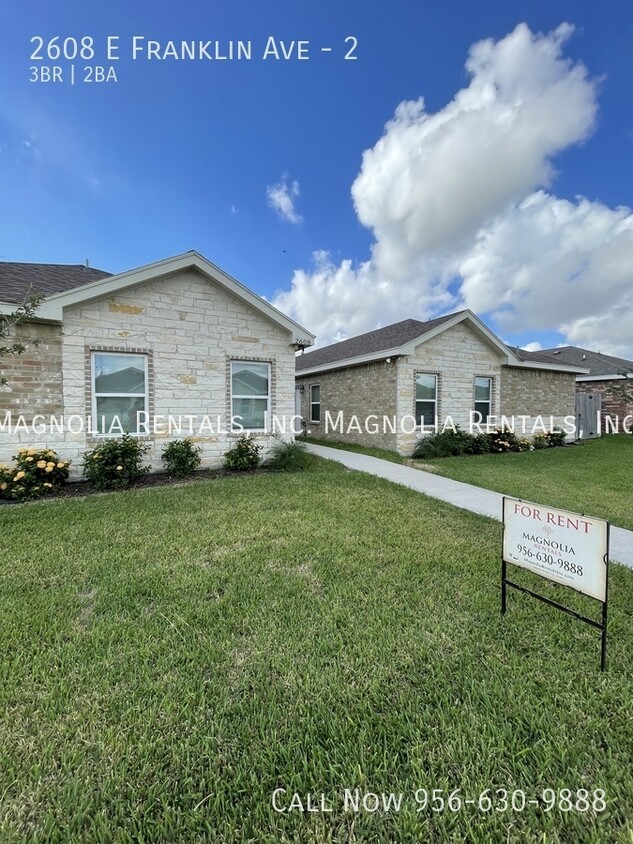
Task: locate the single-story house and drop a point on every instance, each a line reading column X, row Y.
column 173, row 349
column 405, row 376
column 606, row 376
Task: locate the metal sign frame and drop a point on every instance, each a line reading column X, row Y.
column 505, row 582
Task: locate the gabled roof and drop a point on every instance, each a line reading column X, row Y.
column 382, row 339
column 18, row 280
column 401, row 338
column 107, row 285
column 597, row 363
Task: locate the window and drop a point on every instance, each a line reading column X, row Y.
column 425, row 399
column 250, row 394
column 315, row 403
column 119, row 393
column 483, row 398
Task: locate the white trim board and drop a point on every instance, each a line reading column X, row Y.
column 52, row 308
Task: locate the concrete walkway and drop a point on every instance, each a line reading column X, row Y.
column 468, row 497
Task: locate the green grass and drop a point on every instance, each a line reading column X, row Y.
column 372, row 451
column 594, row 477
column 172, row 655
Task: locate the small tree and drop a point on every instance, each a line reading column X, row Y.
column 25, row 310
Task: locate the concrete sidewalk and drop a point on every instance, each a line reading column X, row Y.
column 468, row 497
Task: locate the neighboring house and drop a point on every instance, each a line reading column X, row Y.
column 605, row 376
column 178, row 338
column 414, row 372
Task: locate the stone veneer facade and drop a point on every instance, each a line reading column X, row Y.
column 190, row 330
column 457, row 356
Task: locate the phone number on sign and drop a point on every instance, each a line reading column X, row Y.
column 544, row 557
column 516, row 800
column 439, row 800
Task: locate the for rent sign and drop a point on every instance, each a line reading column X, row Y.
column 568, row 548
column 564, row 547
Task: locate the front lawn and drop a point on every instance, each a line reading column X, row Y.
column 593, row 477
column 173, row 655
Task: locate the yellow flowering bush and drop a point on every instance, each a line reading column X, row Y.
column 36, row 472
column 116, row 463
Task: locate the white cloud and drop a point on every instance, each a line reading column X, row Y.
column 535, row 346
column 548, row 262
column 455, row 202
column 433, row 179
column 281, row 198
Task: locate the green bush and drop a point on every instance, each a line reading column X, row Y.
column 244, row 455
column 36, row 472
column 480, row 444
column 549, row 439
column 181, row 458
column 500, row 441
column 556, row 437
column 116, row 463
column 288, row 456
column 443, row 444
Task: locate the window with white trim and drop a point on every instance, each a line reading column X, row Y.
column 250, row 395
column 119, row 393
column 425, row 399
column 315, row 403
column 483, row 398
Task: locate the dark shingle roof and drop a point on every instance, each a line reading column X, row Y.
column 539, row 357
column 382, row 339
column 19, row 280
column 595, row 362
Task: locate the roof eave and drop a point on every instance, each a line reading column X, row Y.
column 11, row 307
column 554, row 367
column 610, row 377
column 372, row 357
column 409, row 347
column 53, row 306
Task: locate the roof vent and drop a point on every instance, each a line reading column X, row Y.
column 556, row 352
column 584, row 357
column 87, row 264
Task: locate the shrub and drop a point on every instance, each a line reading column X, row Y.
column 501, row 441
column 556, row 437
column 243, row 456
column 549, row 439
column 36, row 472
column 480, row 444
column 443, row 444
column 181, row 458
column 116, row 463
column 288, row 456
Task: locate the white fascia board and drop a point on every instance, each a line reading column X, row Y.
column 476, row 326
column 555, row 367
column 9, row 307
column 409, row 348
column 52, row 307
column 372, row 357
column 604, row 377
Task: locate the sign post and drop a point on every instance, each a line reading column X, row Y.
column 567, row 548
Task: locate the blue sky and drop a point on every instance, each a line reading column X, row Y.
column 180, row 154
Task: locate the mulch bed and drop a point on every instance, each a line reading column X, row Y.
column 78, row 489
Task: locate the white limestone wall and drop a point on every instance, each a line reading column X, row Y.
column 191, row 328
